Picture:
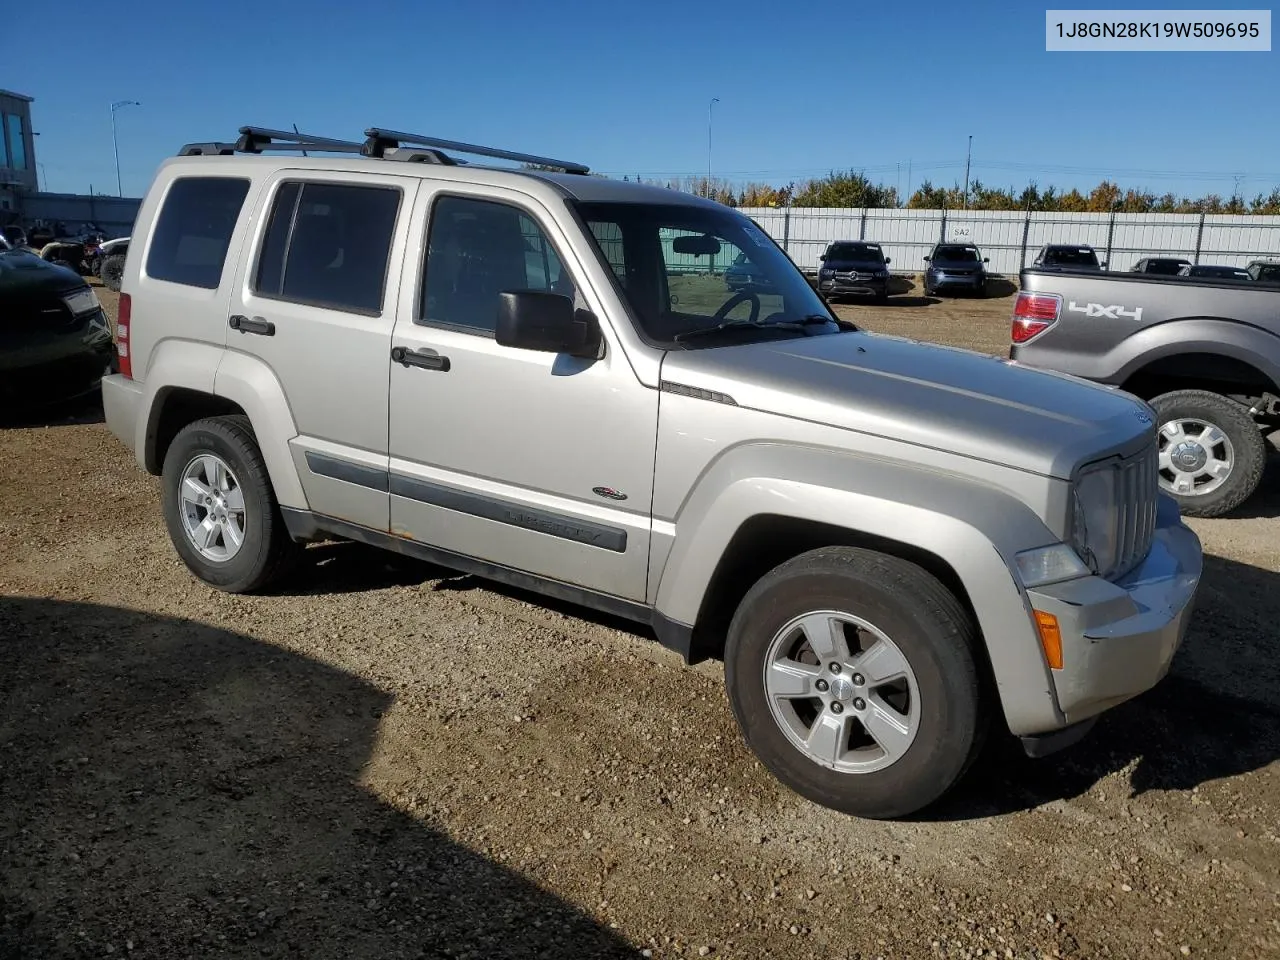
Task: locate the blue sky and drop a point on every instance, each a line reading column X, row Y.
column 624, row 87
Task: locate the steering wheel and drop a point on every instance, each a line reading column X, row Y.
column 736, row 299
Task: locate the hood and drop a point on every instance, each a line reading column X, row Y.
column 940, row 264
column 23, row 274
column 967, row 403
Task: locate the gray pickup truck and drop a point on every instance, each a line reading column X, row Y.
column 1203, row 351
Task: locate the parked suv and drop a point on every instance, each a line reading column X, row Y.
column 1266, row 271
column 1069, row 255
column 1164, row 266
column 891, row 545
column 853, row 268
column 955, row 266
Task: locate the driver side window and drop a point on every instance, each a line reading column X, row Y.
column 703, row 284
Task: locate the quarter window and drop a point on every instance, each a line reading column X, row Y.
column 328, row 244
column 193, row 231
column 478, row 249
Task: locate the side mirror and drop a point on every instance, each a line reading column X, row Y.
column 534, row 320
column 986, row 259
column 822, row 256
column 1104, row 263
column 888, row 260
column 926, row 258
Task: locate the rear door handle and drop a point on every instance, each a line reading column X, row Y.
column 426, row 359
column 256, row 325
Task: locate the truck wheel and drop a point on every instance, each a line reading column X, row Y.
column 1212, row 452
column 113, row 272
column 852, row 676
column 220, row 509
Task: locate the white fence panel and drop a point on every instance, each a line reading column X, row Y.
column 1011, row 239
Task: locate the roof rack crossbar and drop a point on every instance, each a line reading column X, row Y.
column 380, row 140
column 264, row 139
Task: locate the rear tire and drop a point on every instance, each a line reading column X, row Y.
column 922, row 732
column 113, row 272
column 265, row 552
column 1185, row 419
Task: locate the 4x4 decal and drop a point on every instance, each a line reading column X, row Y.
column 1113, row 312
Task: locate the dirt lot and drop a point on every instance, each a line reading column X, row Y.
column 384, row 761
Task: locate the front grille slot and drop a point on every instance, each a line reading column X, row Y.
column 1139, row 491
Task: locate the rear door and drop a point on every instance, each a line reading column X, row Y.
column 314, row 303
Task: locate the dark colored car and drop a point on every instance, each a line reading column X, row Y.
column 55, row 343
column 854, row 268
column 1074, row 256
column 1265, row 271
column 12, row 237
column 1165, row 266
column 955, row 266
column 1215, row 271
column 742, row 274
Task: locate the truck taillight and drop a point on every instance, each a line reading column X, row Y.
column 1033, row 314
column 122, row 335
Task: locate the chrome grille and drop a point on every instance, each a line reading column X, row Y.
column 1138, row 491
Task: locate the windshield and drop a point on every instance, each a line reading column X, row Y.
column 671, row 261
column 956, row 253
column 1069, row 255
column 861, row 252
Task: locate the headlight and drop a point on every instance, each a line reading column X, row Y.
column 1049, row 564
column 82, row 301
column 1094, row 509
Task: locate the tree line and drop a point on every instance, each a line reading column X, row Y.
column 853, row 189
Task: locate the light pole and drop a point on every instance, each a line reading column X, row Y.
column 967, row 158
column 714, row 100
column 114, row 145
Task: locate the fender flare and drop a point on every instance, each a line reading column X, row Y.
column 1208, row 335
column 251, row 384
column 974, row 528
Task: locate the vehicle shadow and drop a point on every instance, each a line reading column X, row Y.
column 82, row 410
column 338, row 567
column 170, row 789
column 1216, row 715
column 998, row 287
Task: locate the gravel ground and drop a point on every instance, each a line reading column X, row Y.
column 384, row 760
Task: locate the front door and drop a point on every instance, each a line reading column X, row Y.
column 534, row 461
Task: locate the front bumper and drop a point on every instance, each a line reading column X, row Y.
column 61, row 368
column 1119, row 639
column 951, row 281
column 875, row 286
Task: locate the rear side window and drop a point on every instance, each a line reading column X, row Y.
column 191, row 236
column 327, row 244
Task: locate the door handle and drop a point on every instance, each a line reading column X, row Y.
column 426, row 359
column 256, row 325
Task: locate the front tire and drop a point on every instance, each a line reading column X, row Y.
column 220, row 509
column 853, row 678
column 1212, row 452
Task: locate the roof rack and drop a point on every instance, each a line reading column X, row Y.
column 381, row 140
column 379, row 143
column 260, row 139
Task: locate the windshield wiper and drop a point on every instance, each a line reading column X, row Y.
column 803, row 323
